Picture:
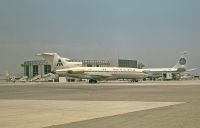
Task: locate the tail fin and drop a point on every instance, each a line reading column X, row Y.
column 180, row 66
column 58, row 62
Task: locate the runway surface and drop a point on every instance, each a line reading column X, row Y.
column 168, row 104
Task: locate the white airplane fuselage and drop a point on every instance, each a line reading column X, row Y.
column 100, row 73
column 160, row 70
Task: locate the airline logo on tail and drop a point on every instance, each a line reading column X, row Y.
column 181, row 65
column 59, row 63
column 182, row 61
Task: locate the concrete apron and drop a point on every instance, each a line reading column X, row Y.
column 42, row 113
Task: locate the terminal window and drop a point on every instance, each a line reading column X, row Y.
column 47, row 69
column 35, row 70
column 27, row 71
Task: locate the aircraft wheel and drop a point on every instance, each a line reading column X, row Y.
column 92, row 81
column 134, row 80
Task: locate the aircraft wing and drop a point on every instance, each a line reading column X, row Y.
column 192, row 69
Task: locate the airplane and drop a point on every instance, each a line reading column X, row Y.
column 103, row 73
column 177, row 69
column 63, row 67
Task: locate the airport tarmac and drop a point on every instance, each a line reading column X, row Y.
column 168, row 104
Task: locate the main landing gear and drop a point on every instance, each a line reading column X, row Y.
column 134, row 80
column 92, row 81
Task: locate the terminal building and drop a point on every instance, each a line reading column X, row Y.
column 93, row 63
column 127, row 63
column 41, row 67
column 36, row 67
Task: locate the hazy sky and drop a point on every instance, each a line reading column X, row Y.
column 151, row 31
